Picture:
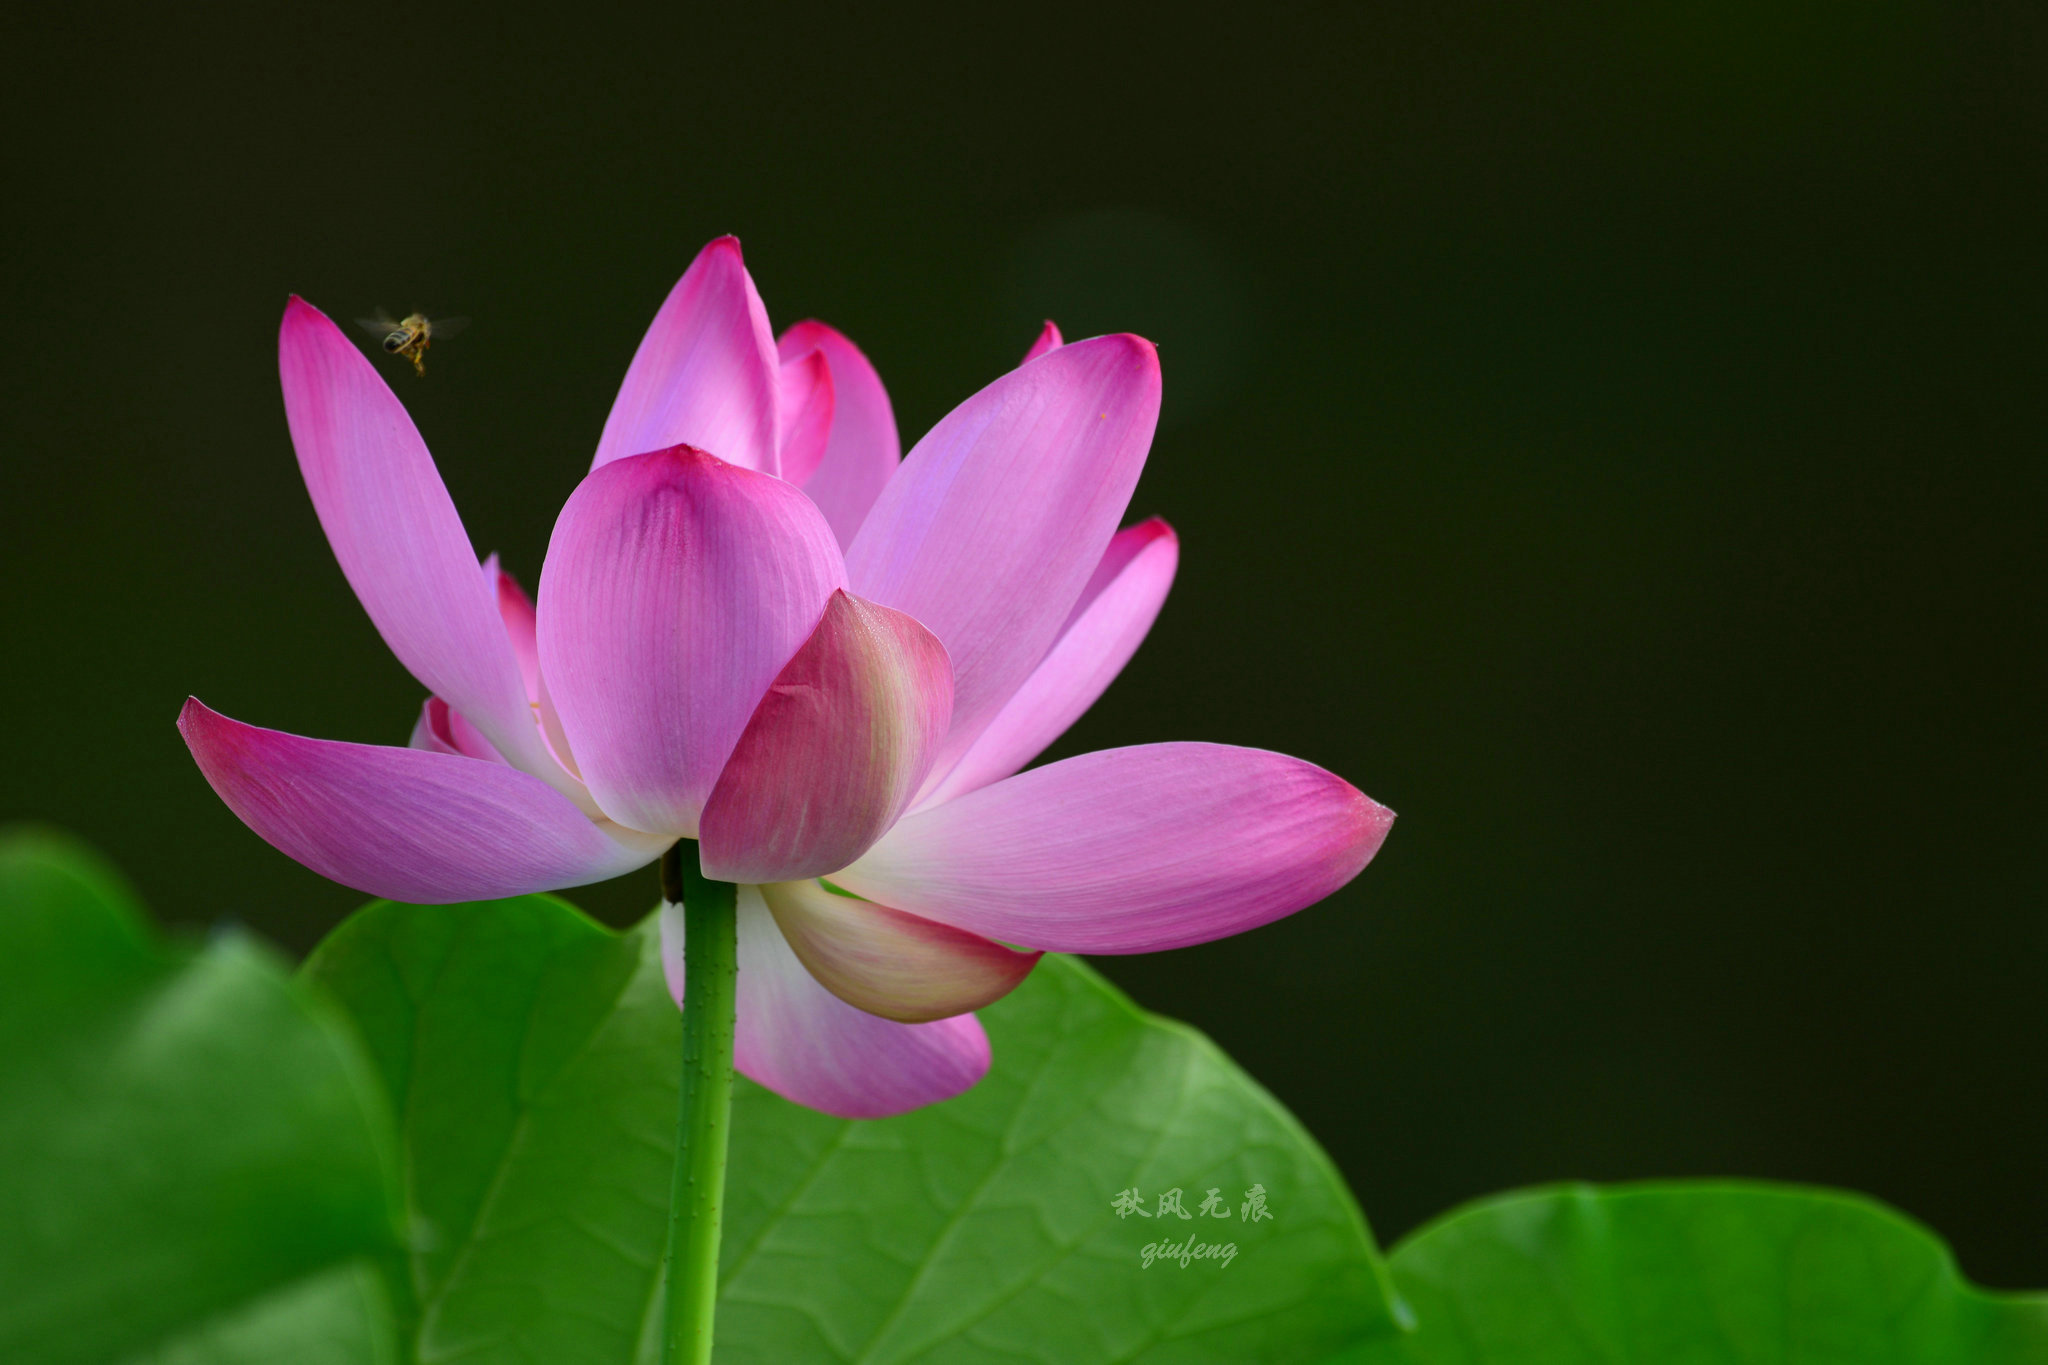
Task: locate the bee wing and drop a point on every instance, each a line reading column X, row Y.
column 381, row 325
column 439, row 328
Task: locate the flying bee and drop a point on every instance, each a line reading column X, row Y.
column 410, row 336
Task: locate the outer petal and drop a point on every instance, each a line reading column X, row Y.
column 808, row 1045
column 835, row 750
column 406, row 823
column 1116, row 609
column 396, row 534
column 676, row 588
column 1129, row 850
column 1048, row 340
column 862, row 451
column 705, row 373
column 1000, row 515
column 899, row 966
column 807, row 403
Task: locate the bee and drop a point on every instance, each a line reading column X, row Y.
column 410, row 336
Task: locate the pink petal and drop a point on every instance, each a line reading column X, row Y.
column 396, row 533
column 1048, row 340
column 1001, row 514
column 430, row 731
column 406, row 823
column 862, row 452
column 807, row 403
column 705, row 374
column 515, row 609
column 1129, row 850
column 1116, row 609
column 442, row 730
column 811, row 1047
column 676, row 588
column 899, row 966
column 522, row 628
column 835, row 750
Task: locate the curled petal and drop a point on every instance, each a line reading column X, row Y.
column 900, row 966
column 807, row 405
column 442, row 730
column 807, row 1045
column 999, row 516
column 863, row 450
column 705, row 374
column 1129, row 850
column 430, row 731
column 833, row 753
column 408, row 824
column 396, row 534
column 1048, row 340
column 1116, row 609
column 676, row 588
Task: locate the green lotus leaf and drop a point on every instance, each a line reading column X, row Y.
column 532, row 1056
column 197, row 1165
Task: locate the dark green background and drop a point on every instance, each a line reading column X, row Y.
column 1611, row 435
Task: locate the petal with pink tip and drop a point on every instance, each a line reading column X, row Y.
column 396, row 534
column 862, row 451
column 705, row 374
column 442, row 730
column 515, row 609
column 999, row 516
column 809, row 1046
column 1129, row 850
column 522, row 627
column 1109, row 622
column 430, row 731
column 840, row 742
column 408, row 824
column 807, row 403
column 1048, row 340
column 900, row 966
column 676, row 588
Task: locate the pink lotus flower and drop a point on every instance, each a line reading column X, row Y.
column 814, row 660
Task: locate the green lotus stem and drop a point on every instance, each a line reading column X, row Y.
column 696, row 1200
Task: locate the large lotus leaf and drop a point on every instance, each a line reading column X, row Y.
column 532, row 1055
column 1706, row 1273
column 196, row 1160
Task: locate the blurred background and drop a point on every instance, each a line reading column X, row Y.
column 1609, row 434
